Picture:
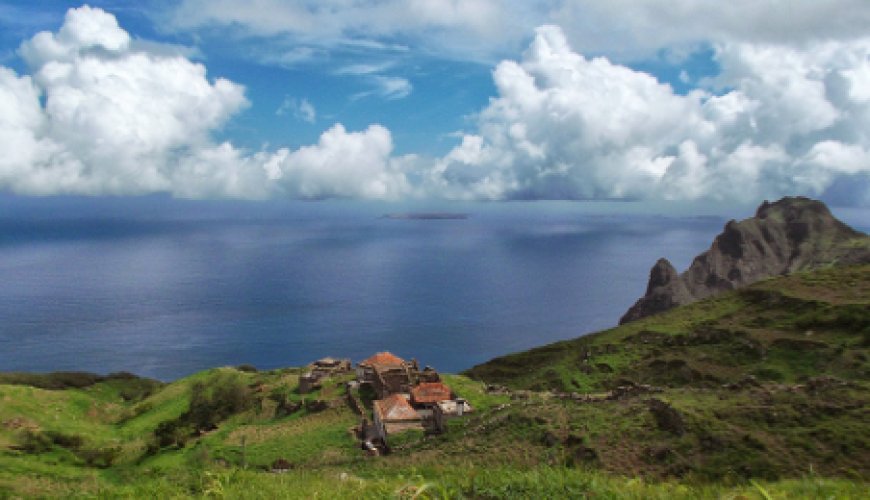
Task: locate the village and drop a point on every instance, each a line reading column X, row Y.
column 391, row 395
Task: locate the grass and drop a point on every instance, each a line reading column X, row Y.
column 798, row 429
column 456, row 481
column 794, row 327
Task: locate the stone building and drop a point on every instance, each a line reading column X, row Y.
column 365, row 371
column 394, row 414
column 448, row 410
column 319, row 370
column 387, row 373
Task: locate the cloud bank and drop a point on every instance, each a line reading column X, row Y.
column 99, row 113
column 456, row 28
column 489, row 29
column 565, row 126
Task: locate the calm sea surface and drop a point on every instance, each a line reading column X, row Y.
column 164, row 288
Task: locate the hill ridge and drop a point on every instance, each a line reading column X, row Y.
column 785, row 236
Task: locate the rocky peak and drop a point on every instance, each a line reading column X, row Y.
column 662, row 273
column 785, row 236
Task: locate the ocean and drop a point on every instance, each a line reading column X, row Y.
column 164, row 288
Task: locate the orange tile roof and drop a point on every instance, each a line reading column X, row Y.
column 395, row 407
column 383, row 358
column 430, row 392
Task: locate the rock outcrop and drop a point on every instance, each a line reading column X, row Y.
column 792, row 234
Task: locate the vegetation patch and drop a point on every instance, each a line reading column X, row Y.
column 751, row 394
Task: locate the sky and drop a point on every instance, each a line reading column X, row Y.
column 689, row 100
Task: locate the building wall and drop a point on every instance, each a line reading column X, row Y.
column 308, row 384
column 379, row 426
column 392, row 381
column 405, row 425
column 364, row 374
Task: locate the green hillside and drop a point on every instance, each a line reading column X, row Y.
column 761, row 393
column 783, row 330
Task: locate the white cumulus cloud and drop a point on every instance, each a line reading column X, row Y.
column 341, row 165
column 101, row 115
column 786, row 121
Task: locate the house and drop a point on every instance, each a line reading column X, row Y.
column 391, row 380
column 366, row 368
column 327, row 362
column 428, row 394
column 387, row 374
column 424, row 397
column 331, row 365
column 448, row 410
column 406, row 398
column 309, row 382
column 394, row 414
column 319, row 370
column 428, row 375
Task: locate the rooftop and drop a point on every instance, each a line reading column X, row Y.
column 395, row 407
column 430, row 392
column 383, row 359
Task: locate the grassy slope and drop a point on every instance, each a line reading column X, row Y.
column 519, row 442
column 783, row 338
column 511, row 446
column 782, row 330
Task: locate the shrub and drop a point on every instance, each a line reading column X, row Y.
column 284, row 406
column 172, row 433
column 767, row 373
column 76, row 380
column 99, row 457
column 849, row 318
column 52, row 381
column 42, row 441
column 210, row 404
column 68, row 441
column 35, row 442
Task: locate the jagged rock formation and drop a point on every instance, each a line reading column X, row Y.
column 789, row 235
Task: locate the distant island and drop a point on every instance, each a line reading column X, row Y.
column 426, row 216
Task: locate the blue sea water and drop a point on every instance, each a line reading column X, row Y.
column 164, row 288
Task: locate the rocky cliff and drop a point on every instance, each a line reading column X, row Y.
column 789, row 235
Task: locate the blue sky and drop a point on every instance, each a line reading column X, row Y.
column 476, row 99
column 421, row 122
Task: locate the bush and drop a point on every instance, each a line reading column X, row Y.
column 767, row 373
column 172, row 433
column 68, row 441
column 52, row 381
column 848, row 318
column 35, row 442
column 210, row 404
column 99, row 457
column 76, row 380
column 42, row 441
column 247, row 368
column 284, row 406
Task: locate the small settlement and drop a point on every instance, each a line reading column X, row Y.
column 407, row 398
column 403, row 397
